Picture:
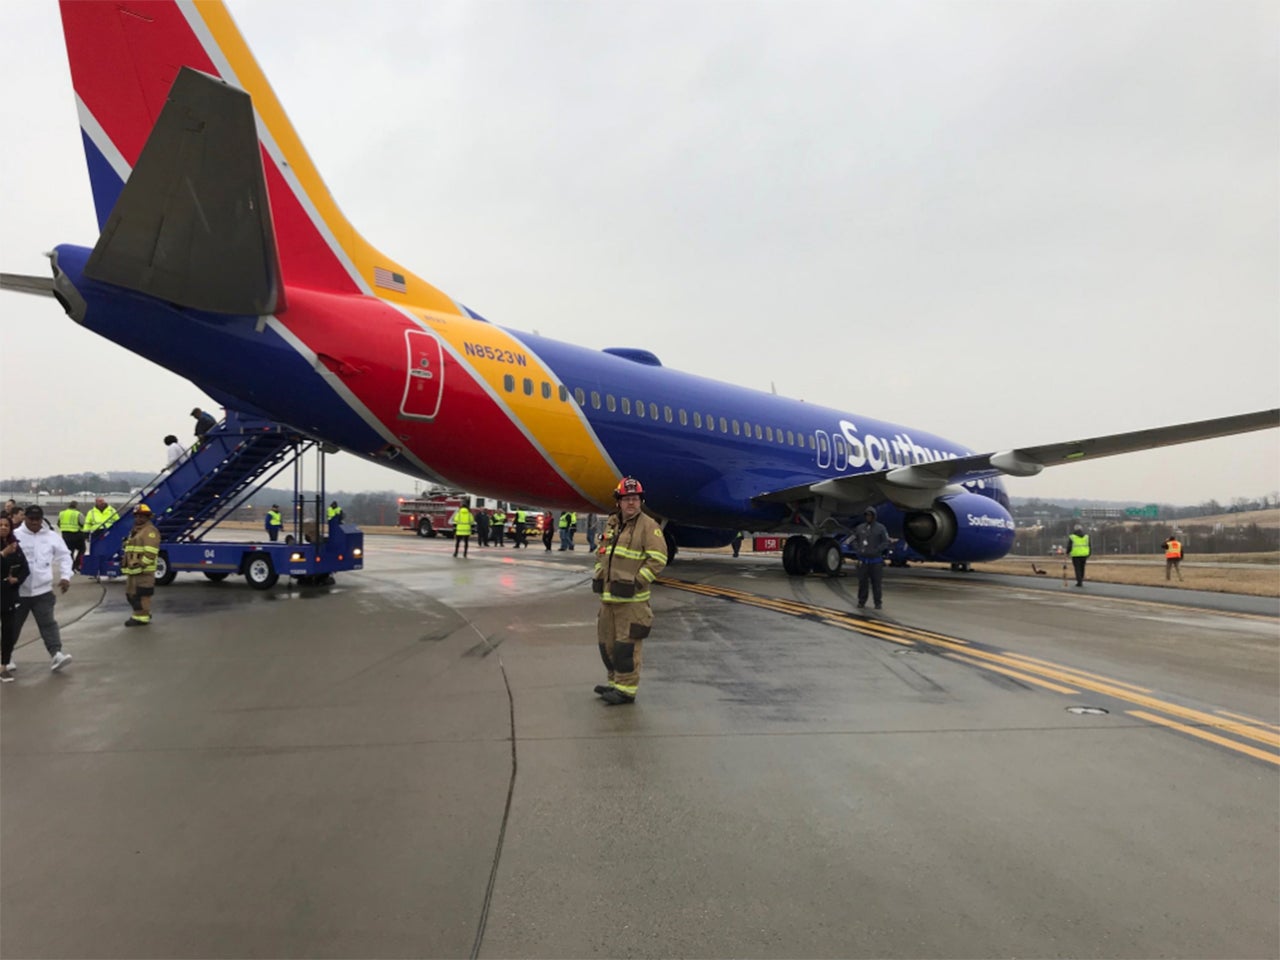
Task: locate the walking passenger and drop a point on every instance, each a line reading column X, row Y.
column 13, row 571
column 43, row 548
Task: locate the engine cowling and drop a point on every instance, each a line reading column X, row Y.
column 961, row 528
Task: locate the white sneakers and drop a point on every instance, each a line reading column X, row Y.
column 59, row 661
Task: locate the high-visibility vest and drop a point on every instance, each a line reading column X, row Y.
column 1173, row 550
column 97, row 519
column 274, row 519
column 499, row 517
column 69, row 521
column 1079, row 545
column 141, row 550
column 564, row 520
column 462, row 522
column 520, row 516
column 333, row 512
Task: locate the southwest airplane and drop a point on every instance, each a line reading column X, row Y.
column 223, row 257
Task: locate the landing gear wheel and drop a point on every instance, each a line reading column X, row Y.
column 795, row 556
column 671, row 546
column 217, row 576
column 164, row 572
column 826, row 557
column 260, row 572
column 961, row 568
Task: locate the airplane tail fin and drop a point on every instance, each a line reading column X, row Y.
column 126, row 57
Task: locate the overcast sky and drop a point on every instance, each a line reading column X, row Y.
column 1007, row 223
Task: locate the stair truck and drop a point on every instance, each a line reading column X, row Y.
column 236, row 458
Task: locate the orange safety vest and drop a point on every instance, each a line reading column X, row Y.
column 1173, row 551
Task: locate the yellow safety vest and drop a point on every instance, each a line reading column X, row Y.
column 333, row 512
column 273, row 518
column 97, row 519
column 1079, row 545
column 462, row 522
column 141, row 550
column 69, row 521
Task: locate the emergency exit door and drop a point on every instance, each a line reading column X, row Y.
column 424, row 379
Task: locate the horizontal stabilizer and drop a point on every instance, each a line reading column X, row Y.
column 20, row 283
column 192, row 225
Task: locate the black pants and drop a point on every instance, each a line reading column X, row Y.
column 465, row 541
column 75, row 543
column 872, row 574
column 273, row 533
column 8, row 635
column 1078, row 563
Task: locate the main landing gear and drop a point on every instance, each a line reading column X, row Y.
column 822, row 556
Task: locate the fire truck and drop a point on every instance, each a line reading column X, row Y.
column 432, row 515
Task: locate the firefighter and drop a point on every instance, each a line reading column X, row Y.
column 141, row 551
column 71, row 526
column 631, row 555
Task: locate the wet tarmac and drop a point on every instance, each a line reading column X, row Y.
column 412, row 763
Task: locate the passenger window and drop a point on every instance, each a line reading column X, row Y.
column 640, row 409
column 711, row 422
column 653, row 411
column 666, row 414
column 768, row 434
column 791, row 439
column 595, row 399
column 724, row 425
column 838, row 443
column 626, row 406
column 564, row 393
column 746, row 429
column 546, row 390
column 684, row 418
column 528, row 387
column 697, row 419
column 611, row 403
column 759, row 432
column 509, row 383
column 580, row 396
column 736, row 429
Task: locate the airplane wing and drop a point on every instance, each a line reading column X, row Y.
column 24, row 283
column 917, row 484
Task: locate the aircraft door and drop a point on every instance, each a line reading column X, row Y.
column 424, row 377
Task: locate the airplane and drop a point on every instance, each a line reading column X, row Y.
column 223, row 257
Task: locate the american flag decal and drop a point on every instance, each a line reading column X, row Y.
column 382, row 277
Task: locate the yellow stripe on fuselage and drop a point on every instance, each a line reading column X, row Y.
column 363, row 256
column 558, row 427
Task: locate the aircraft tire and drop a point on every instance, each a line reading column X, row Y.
column 217, row 576
column 260, row 571
column 672, row 548
column 165, row 574
column 961, row 568
column 826, row 557
column 796, row 556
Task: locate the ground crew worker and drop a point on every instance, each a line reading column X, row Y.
column 100, row 517
column 564, row 530
column 461, row 521
column 334, row 512
column 870, row 540
column 138, row 564
column 631, row 555
column 498, row 529
column 482, row 527
column 1078, row 543
column 521, row 519
column 274, row 522
column 71, row 526
column 1173, row 556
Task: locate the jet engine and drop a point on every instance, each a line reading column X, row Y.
column 961, row 528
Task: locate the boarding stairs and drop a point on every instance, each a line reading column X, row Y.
column 236, row 457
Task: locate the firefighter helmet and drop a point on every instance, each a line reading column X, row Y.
column 143, row 508
column 628, row 486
